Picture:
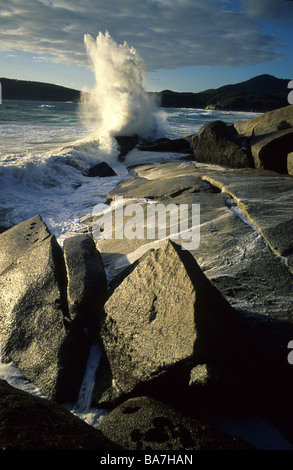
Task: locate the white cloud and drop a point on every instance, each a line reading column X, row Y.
column 167, row 33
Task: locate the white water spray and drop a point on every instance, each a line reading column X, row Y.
column 118, row 105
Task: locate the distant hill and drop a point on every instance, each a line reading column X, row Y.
column 260, row 94
column 36, row 91
column 262, row 84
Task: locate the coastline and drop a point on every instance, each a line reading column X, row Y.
column 245, row 257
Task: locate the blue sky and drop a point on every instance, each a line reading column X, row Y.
column 186, row 45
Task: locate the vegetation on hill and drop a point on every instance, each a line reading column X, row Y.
column 261, row 94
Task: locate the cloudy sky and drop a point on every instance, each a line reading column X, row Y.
column 186, row 45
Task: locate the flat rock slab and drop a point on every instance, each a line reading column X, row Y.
column 215, row 143
column 265, row 198
column 142, row 188
column 146, row 424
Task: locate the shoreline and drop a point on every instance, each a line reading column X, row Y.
column 214, row 322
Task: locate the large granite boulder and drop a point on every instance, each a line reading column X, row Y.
column 163, row 317
column 146, row 424
column 35, row 329
column 270, row 152
column 31, row 423
column 216, row 143
column 272, row 121
column 87, row 289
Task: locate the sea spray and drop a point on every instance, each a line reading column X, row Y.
column 118, row 105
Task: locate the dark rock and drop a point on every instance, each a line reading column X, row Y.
column 216, row 143
column 87, row 288
column 35, row 331
column 101, row 169
column 160, row 188
column 165, row 316
column 168, row 145
column 33, row 423
column 270, row 151
column 146, row 424
column 126, row 144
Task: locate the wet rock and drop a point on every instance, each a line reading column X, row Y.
column 32, row 423
column 146, row 424
column 265, row 198
column 215, row 143
column 101, row 169
column 35, row 331
column 87, row 288
column 126, row 144
column 138, row 188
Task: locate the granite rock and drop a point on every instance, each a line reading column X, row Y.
column 35, row 330
column 164, row 316
column 143, row 423
column 215, row 143
column 270, row 151
column 272, row 121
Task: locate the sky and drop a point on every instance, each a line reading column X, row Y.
column 185, row 45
